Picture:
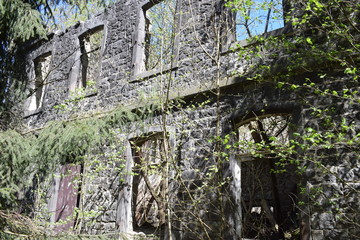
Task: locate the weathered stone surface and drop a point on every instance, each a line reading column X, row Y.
column 109, row 191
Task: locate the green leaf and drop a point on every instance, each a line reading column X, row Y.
column 309, row 41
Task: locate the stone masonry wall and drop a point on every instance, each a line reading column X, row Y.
column 194, row 77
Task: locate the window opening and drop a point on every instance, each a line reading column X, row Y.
column 156, row 35
column 255, row 17
column 42, row 66
column 90, row 46
column 159, row 33
column 148, row 185
column 268, row 209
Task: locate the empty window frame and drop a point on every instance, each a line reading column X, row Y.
column 255, row 17
column 90, row 47
column 156, row 35
column 268, row 209
column 41, row 69
column 148, row 184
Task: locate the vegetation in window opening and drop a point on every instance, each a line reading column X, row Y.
column 256, row 17
column 322, row 48
column 268, row 182
column 159, row 39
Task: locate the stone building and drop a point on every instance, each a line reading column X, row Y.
column 184, row 164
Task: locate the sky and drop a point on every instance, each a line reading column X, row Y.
column 256, row 15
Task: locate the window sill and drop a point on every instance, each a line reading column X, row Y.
column 152, row 73
column 82, row 92
column 91, row 93
column 30, row 113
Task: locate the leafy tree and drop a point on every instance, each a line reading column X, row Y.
column 65, row 15
column 19, row 21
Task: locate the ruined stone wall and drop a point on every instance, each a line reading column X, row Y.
column 117, row 83
column 194, row 77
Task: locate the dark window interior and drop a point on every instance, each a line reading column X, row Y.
column 268, row 197
column 90, row 46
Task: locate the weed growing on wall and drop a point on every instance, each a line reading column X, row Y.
column 322, row 37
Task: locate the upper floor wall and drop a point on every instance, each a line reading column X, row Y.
column 129, row 53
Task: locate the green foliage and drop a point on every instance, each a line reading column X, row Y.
column 21, row 21
column 66, row 142
column 160, row 30
column 255, row 17
column 15, row 161
column 317, row 63
column 66, row 15
column 59, row 142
